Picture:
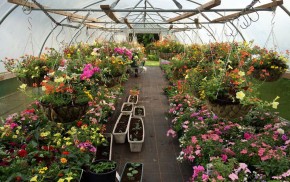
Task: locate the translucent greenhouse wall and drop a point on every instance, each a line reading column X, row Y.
column 22, row 33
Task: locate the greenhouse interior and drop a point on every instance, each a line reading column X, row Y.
column 144, row 90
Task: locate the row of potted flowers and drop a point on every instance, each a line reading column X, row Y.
column 246, row 143
column 57, row 137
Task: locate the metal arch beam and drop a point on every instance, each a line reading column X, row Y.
column 44, row 42
column 8, row 13
column 234, row 27
column 76, row 34
column 210, row 33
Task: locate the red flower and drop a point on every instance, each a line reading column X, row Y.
column 65, row 153
column 22, row 153
column 18, row 178
column 79, row 123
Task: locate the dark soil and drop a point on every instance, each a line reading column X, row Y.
column 103, row 151
column 137, row 133
column 127, row 107
column 139, row 111
column 137, row 177
column 133, row 98
column 122, row 125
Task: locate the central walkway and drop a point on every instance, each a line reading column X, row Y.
column 159, row 152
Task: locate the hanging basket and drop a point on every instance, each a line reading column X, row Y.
column 64, row 114
column 267, row 75
column 228, row 110
column 31, row 82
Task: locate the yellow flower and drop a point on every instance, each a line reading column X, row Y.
column 240, row 95
column 69, row 178
column 274, row 103
column 68, row 143
column 57, row 135
column 63, row 160
column 23, row 86
column 14, row 136
column 186, row 77
column 241, row 73
column 58, row 80
column 230, row 67
column 43, row 88
column 60, row 180
column 66, row 138
column 44, row 134
column 34, row 179
column 89, row 95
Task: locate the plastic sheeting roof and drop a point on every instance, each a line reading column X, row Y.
column 29, row 32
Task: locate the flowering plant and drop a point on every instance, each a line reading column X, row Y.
column 269, row 65
column 64, row 87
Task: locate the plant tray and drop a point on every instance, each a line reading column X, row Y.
column 120, row 137
column 136, row 146
column 132, row 97
column 127, row 107
column 136, row 114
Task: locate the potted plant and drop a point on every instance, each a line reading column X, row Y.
column 139, row 111
column 121, row 127
column 127, row 107
column 67, row 92
column 136, row 134
column 269, row 65
column 100, row 170
column 29, row 70
column 133, row 99
column 132, row 172
column 105, row 149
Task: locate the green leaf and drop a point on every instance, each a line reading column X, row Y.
column 129, row 174
column 134, row 172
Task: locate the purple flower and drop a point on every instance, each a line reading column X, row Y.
column 284, row 137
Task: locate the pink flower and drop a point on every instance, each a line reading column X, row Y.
column 248, row 136
column 261, row 151
column 243, row 166
column 224, row 157
column 233, row 176
column 197, row 152
column 219, row 177
column 171, row 132
column 204, row 177
column 244, row 151
column 193, row 139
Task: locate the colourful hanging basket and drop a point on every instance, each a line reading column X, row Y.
column 31, row 82
column 228, row 110
column 267, row 75
column 64, row 114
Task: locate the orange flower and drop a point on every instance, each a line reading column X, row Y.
column 63, row 160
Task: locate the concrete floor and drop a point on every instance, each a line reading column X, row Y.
column 159, row 152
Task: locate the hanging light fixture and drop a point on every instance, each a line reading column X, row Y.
column 177, row 4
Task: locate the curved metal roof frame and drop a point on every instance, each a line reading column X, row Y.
column 156, row 12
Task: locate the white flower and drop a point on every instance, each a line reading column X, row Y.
column 280, row 131
column 186, row 77
column 240, row 95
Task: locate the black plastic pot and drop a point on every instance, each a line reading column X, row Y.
column 88, row 176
